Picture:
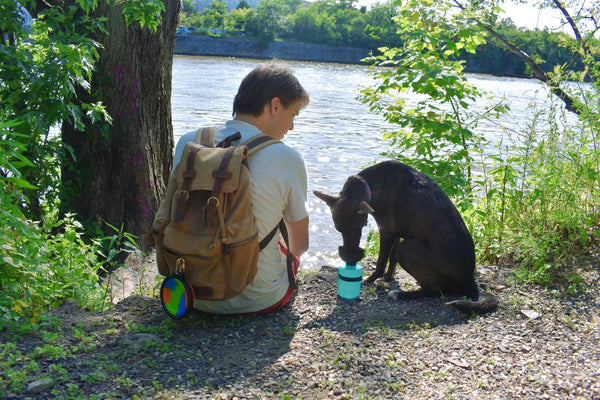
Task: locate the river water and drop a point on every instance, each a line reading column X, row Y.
column 336, row 134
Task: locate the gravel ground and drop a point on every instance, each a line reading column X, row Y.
column 542, row 343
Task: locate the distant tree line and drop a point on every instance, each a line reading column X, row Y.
column 546, row 48
column 341, row 23
column 336, row 23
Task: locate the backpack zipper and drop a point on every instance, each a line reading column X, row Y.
column 229, row 246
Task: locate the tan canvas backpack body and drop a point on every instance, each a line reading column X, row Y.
column 205, row 229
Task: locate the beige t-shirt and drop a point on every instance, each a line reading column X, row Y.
column 279, row 189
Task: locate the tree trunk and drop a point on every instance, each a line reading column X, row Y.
column 120, row 171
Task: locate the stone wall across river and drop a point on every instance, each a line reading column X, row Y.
column 248, row 48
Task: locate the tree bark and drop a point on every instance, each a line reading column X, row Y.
column 120, row 171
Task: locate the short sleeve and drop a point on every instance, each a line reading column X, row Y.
column 296, row 207
column 188, row 137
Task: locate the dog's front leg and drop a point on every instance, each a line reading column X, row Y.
column 386, row 243
column 391, row 269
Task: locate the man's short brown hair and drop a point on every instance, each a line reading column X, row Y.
column 264, row 83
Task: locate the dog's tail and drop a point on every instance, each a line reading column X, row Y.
column 482, row 302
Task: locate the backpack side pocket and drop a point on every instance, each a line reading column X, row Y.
column 158, row 232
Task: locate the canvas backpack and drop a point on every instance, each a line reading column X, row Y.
column 205, row 229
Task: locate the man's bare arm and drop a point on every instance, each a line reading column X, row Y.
column 298, row 235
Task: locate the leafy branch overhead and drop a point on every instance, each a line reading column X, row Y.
column 585, row 48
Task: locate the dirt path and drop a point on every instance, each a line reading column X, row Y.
column 541, row 343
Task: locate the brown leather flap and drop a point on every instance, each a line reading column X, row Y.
column 208, row 161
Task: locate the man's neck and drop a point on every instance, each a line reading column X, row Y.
column 248, row 118
column 258, row 122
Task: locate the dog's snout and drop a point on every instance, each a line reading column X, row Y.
column 351, row 256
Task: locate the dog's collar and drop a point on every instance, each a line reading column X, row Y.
column 366, row 184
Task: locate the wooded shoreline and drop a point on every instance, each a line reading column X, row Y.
column 249, row 48
column 238, row 47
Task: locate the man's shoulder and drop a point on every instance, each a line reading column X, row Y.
column 189, row 136
column 283, row 151
column 277, row 152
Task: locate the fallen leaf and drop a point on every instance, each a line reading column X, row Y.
column 530, row 314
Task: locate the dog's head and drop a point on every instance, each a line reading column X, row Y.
column 350, row 213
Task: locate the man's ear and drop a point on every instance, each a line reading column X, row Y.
column 330, row 200
column 364, row 208
column 275, row 105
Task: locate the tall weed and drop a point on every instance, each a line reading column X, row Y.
column 541, row 194
column 40, row 267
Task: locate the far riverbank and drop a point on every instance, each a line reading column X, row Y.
column 250, row 48
column 238, row 47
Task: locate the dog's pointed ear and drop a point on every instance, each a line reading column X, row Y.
column 364, row 208
column 330, row 200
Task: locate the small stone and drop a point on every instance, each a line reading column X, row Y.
column 40, row 385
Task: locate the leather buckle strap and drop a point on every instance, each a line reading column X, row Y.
column 222, row 174
column 188, row 176
column 227, row 141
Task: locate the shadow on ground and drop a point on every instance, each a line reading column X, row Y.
column 134, row 345
column 375, row 309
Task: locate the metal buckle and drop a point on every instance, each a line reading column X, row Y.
column 213, row 198
column 182, row 192
column 181, row 265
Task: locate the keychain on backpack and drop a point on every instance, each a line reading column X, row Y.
column 176, row 295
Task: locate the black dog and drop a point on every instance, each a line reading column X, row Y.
column 419, row 228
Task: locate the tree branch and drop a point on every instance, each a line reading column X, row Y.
column 559, row 5
column 537, row 72
column 583, row 42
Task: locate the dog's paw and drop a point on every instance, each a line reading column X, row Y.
column 394, row 294
column 387, row 277
column 372, row 278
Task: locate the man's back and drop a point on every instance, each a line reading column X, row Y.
column 279, row 187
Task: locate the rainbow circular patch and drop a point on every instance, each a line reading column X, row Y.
column 176, row 296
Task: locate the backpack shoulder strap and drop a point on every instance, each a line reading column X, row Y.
column 206, row 136
column 257, row 142
column 288, row 259
column 263, row 243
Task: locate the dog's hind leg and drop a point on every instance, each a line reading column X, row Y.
column 414, row 258
column 422, row 262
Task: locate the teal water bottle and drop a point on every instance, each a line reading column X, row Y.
column 349, row 281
